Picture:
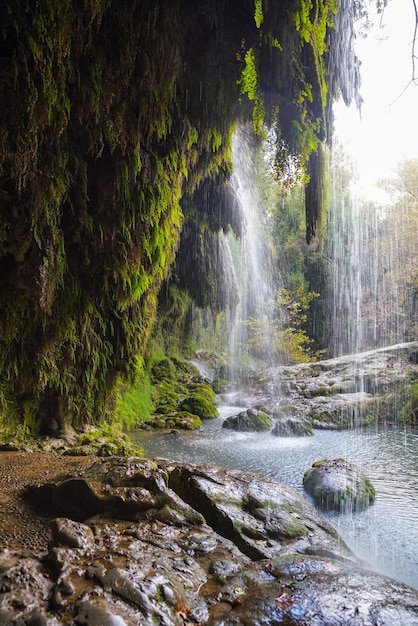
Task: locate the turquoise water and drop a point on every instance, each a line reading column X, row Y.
column 385, row 535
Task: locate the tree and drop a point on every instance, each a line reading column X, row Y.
column 400, row 221
column 281, row 336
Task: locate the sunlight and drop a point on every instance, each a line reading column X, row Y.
column 387, row 131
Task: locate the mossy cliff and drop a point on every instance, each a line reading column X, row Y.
column 112, row 113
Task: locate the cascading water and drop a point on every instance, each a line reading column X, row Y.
column 250, row 253
column 370, row 252
column 353, row 264
column 372, row 259
column 235, row 263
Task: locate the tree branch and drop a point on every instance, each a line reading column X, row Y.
column 414, row 42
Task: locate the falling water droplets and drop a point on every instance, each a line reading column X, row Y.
column 250, row 252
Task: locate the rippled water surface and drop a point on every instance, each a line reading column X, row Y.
column 385, row 535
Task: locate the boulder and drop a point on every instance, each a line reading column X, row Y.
column 250, row 420
column 292, row 427
column 199, row 404
column 338, row 485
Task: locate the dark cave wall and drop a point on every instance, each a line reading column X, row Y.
column 112, row 112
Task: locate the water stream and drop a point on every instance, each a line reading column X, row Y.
column 366, row 308
column 385, row 535
column 250, row 253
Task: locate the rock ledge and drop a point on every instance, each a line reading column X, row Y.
column 141, row 542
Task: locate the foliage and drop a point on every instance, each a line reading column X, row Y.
column 282, row 336
column 101, row 130
column 113, row 116
column 258, row 12
column 249, row 86
column 297, row 140
column 312, row 20
column 134, row 404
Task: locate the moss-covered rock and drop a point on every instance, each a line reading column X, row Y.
column 163, row 370
column 168, row 543
column 187, row 421
column 202, row 389
column 104, row 441
column 220, row 385
column 182, row 397
column 292, row 427
column 199, row 405
column 338, row 485
column 250, row 420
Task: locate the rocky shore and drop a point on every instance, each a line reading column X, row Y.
column 128, row 541
column 378, row 386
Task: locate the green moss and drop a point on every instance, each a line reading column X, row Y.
column 321, row 391
column 164, row 370
column 202, row 389
column 248, row 421
column 249, row 86
column 199, row 405
column 317, row 492
column 319, row 463
column 135, row 404
column 219, row 385
column 112, row 113
column 187, row 421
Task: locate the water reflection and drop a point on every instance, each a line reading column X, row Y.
column 385, row 535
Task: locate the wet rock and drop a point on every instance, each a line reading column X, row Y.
column 92, row 442
column 250, row 420
column 258, row 515
column 338, row 485
column 25, row 589
column 67, row 533
column 343, row 410
column 323, row 592
column 292, row 427
column 236, row 549
column 343, row 392
column 120, row 488
column 93, row 615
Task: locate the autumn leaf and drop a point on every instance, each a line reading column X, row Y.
column 183, row 611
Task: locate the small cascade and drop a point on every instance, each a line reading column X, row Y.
column 250, row 253
column 353, row 267
column 371, row 255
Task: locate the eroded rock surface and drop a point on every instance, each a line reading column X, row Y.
column 176, row 544
column 344, row 392
column 250, row 420
column 292, row 427
column 338, row 485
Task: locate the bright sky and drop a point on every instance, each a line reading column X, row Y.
column 388, row 131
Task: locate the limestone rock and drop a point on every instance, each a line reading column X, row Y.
column 250, row 420
column 338, row 485
column 292, row 427
column 343, row 392
column 175, row 544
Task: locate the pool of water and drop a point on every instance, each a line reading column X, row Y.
column 385, row 535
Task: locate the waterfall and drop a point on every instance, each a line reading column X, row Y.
column 353, row 267
column 251, row 251
column 371, row 252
